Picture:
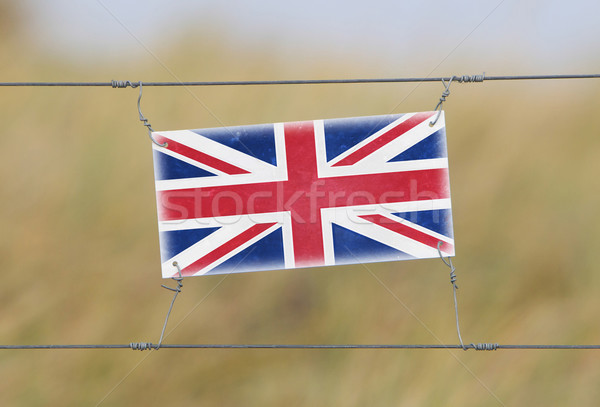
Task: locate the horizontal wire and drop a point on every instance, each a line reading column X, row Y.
column 282, row 346
column 465, row 78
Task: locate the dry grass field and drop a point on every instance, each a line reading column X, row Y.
column 79, row 251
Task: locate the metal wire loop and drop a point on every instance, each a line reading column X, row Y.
column 438, row 107
column 143, row 119
column 446, row 92
column 178, row 279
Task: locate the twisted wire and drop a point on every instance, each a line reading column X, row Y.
column 177, row 290
column 470, row 79
column 142, row 118
column 438, row 107
column 141, row 346
column 124, row 84
column 484, row 346
column 454, row 289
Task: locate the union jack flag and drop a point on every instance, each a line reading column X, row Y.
column 303, row 194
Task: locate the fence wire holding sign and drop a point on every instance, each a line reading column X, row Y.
column 458, row 78
column 446, row 80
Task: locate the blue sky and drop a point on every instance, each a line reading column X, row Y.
column 397, row 36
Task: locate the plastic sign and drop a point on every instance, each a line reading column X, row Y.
column 303, row 194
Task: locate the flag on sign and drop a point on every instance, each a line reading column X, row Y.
column 303, row 194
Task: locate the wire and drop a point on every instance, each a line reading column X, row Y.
column 149, row 346
column 176, row 290
column 452, row 279
column 462, row 78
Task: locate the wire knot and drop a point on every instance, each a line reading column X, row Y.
column 484, row 346
column 124, row 84
column 445, row 94
column 453, row 277
column 141, row 346
column 438, row 107
column 468, row 79
column 177, row 279
column 449, row 264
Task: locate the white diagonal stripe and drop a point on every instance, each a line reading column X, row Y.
column 371, row 138
column 215, row 149
column 400, row 144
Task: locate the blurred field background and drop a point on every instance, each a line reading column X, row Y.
column 80, row 262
